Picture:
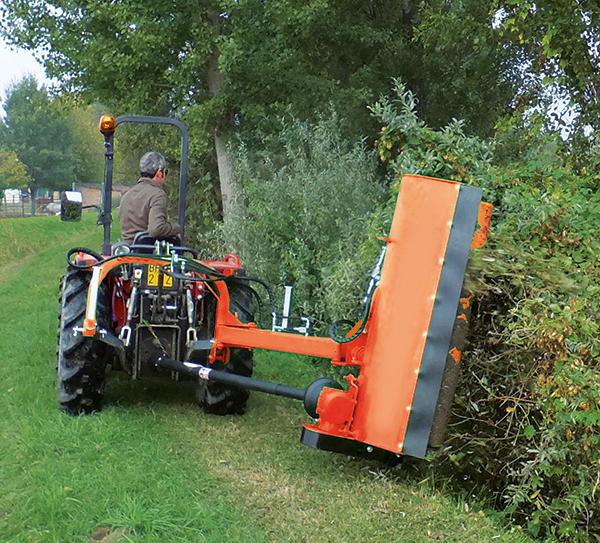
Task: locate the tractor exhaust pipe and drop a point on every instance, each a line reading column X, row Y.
column 309, row 395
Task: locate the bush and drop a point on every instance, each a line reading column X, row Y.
column 309, row 196
column 526, row 424
column 528, row 420
column 525, row 429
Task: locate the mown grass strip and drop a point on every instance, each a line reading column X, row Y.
column 65, row 478
column 152, row 468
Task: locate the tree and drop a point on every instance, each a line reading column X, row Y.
column 39, row 136
column 235, row 66
column 88, row 148
column 13, row 174
column 559, row 41
column 310, row 194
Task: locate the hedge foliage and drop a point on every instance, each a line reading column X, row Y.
column 530, row 400
column 309, row 197
column 526, row 425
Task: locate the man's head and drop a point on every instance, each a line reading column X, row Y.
column 154, row 166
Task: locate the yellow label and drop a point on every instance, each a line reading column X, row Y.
column 153, row 275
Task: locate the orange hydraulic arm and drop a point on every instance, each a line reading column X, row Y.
column 403, row 349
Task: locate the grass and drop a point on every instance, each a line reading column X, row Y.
column 152, row 468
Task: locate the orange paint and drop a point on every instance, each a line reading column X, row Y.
column 354, row 329
column 456, row 354
column 484, row 219
column 377, row 407
column 402, row 309
column 466, row 302
column 89, row 324
column 336, row 409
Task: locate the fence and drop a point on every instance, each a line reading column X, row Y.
column 21, row 207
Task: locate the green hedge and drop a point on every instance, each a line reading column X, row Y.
column 309, row 198
column 527, row 421
column 525, row 430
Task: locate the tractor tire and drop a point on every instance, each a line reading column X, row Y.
column 81, row 361
column 219, row 399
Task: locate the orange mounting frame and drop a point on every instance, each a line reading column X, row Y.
column 99, row 273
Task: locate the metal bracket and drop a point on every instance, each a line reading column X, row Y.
column 305, row 328
column 285, row 318
column 191, row 335
column 125, row 335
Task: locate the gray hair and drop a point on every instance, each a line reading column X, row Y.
column 150, row 163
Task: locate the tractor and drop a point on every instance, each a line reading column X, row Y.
column 154, row 309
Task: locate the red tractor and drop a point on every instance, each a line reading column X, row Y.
column 153, row 308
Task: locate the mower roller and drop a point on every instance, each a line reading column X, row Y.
column 155, row 309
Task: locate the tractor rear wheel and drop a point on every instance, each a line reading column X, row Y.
column 219, row 399
column 81, row 361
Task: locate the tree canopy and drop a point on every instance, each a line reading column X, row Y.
column 234, row 66
column 39, row 137
column 559, row 40
column 158, row 57
column 13, row 173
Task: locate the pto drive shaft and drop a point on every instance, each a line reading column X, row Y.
column 309, row 395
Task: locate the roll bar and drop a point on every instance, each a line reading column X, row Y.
column 105, row 215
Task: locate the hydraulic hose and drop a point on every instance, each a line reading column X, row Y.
column 86, row 251
column 373, row 284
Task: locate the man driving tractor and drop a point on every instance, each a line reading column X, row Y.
column 144, row 206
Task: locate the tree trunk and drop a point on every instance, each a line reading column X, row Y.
column 230, row 189
column 32, row 192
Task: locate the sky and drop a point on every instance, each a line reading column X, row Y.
column 16, row 64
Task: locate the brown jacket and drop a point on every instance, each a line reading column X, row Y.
column 144, row 208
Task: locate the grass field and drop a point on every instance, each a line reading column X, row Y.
column 152, row 468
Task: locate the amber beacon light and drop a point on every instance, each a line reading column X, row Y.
column 108, row 124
